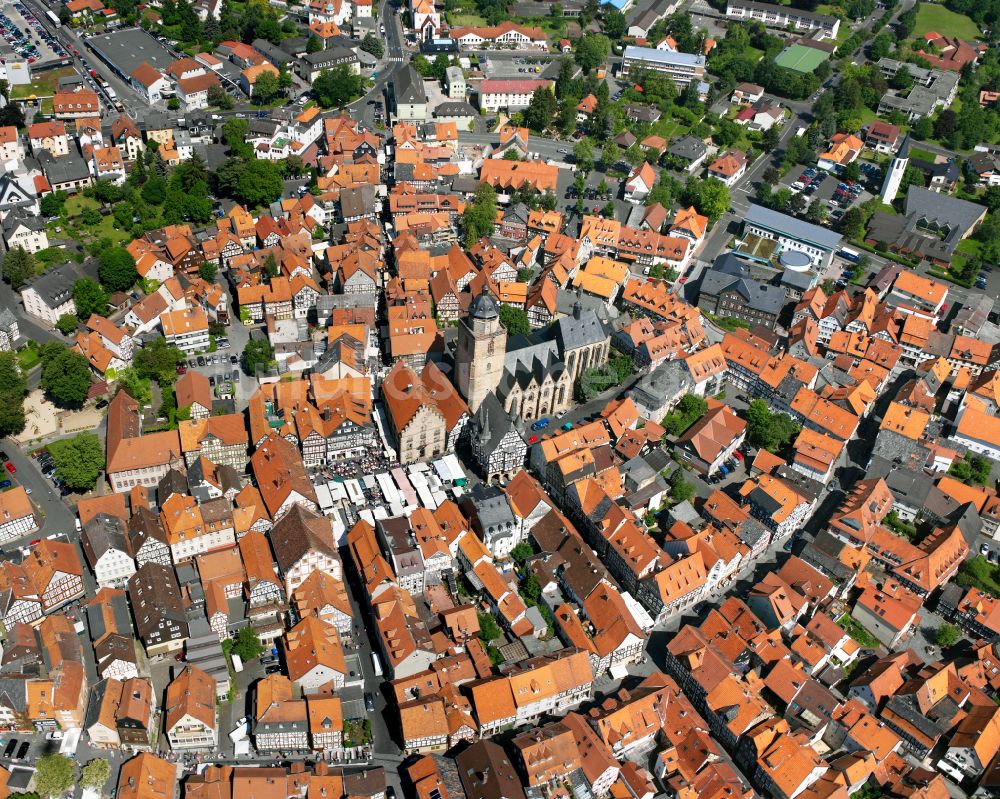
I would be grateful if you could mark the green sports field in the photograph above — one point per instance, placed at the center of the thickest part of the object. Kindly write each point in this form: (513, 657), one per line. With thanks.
(932, 17)
(800, 58)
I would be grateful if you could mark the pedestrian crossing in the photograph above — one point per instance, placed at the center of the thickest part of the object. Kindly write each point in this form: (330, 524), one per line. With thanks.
(396, 59)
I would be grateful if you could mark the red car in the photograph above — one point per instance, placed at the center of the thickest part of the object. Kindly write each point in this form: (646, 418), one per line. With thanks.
(181, 370)
(10, 467)
(533, 440)
(738, 456)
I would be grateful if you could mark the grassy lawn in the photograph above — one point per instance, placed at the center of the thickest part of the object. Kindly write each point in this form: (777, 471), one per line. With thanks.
(754, 53)
(857, 632)
(981, 573)
(28, 358)
(44, 85)
(921, 155)
(74, 225)
(462, 20)
(937, 18)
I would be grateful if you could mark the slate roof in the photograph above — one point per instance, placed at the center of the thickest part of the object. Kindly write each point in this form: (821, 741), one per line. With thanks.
(491, 423)
(408, 86)
(54, 286)
(18, 218)
(101, 534)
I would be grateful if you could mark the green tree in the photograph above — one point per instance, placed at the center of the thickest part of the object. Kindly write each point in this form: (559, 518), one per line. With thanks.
(681, 490)
(614, 24)
(218, 98)
(254, 183)
(923, 128)
(208, 271)
(234, 134)
(66, 324)
(53, 203)
(713, 198)
(313, 45)
(13, 387)
(158, 361)
(90, 298)
(852, 171)
(137, 387)
(337, 86)
(18, 267)
(489, 630)
(116, 269)
(257, 355)
(247, 644)
(154, 191)
(514, 320)
(65, 375)
(592, 50)
(767, 430)
(521, 552)
(271, 266)
(611, 154)
(583, 154)
(479, 216)
(947, 635)
(266, 88)
(541, 110)
(95, 774)
(374, 45)
(53, 775)
(852, 223)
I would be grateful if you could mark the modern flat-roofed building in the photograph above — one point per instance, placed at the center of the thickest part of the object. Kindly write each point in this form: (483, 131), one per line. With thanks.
(681, 67)
(817, 242)
(775, 16)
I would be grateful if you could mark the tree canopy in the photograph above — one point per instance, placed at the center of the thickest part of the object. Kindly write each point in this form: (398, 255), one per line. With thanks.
(54, 775)
(65, 375)
(78, 460)
(514, 320)
(89, 298)
(158, 361)
(116, 269)
(337, 86)
(95, 774)
(18, 267)
(767, 430)
(479, 216)
(257, 355)
(13, 387)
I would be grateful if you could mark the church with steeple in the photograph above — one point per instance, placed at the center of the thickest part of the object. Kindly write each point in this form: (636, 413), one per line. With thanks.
(532, 376)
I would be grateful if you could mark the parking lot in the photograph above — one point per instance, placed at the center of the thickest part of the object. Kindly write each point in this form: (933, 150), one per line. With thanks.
(24, 32)
(219, 367)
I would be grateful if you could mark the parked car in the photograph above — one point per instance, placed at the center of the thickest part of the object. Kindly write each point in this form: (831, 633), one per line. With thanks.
(22, 750)
(11, 746)
(10, 467)
(369, 702)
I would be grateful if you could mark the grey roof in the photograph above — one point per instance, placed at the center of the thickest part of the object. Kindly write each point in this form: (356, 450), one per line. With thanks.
(65, 168)
(454, 108)
(357, 202)
(690, 148)
(119, 610)
(492, 511)
(491, 423)
(173, 482)
(101, 534)
(798, 280)
(582, 329)
(276, 55)
(18, 218)
(7, 319)
(129, 48)
(54, 286)
(142, 525)
(669, 379)
(484, 306)
(910, 487)
(654, 56)
(408, 86)
(902, 232)
(942, 209)
(330, 57)
(730, 273)
(792, 228)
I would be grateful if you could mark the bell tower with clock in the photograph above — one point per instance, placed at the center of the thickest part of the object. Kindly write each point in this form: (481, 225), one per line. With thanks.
(479, 355)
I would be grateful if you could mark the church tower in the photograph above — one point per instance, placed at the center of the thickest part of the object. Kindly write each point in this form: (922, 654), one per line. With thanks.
(479, 356)
(894, 175)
